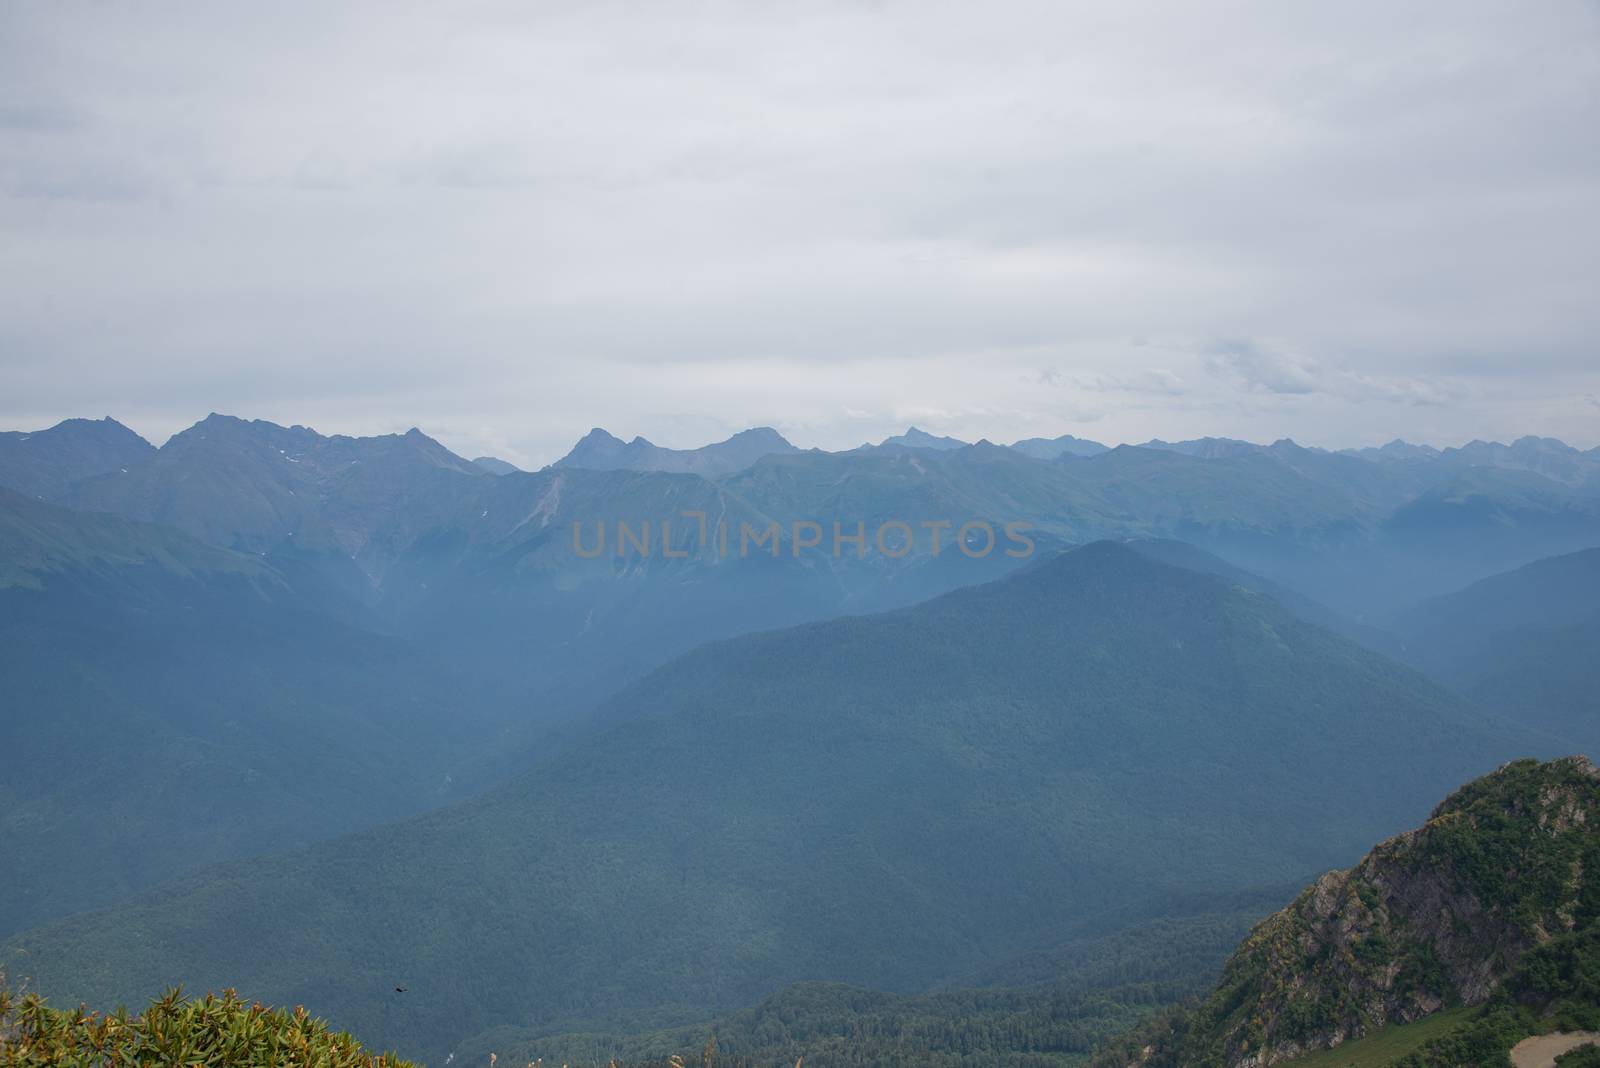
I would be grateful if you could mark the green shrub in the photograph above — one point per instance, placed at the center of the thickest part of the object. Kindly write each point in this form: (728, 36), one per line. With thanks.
(217, 1032)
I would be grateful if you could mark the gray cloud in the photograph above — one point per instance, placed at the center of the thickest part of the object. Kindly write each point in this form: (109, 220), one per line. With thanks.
(1261, 368)
(508, 224)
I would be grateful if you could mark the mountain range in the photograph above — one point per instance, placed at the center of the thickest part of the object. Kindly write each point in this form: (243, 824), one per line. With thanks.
(565, 754)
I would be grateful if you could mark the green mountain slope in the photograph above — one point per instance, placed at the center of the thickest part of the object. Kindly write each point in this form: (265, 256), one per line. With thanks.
(1049, 1008)
(168, 704)
(1523, 642)
(1493, 902)
(41, 544)
(889, 801)
(1182, 554)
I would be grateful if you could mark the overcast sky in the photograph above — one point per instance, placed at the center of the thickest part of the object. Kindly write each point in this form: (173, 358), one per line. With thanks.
(1337, 222)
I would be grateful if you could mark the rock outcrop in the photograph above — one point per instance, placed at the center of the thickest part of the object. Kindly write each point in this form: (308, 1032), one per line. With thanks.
(1438, 916)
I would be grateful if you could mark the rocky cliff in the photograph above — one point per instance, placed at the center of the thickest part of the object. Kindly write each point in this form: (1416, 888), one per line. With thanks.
(1435, 917)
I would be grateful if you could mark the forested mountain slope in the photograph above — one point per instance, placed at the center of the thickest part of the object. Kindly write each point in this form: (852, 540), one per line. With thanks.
(890, 801)
(168, 704)
(1526, 642)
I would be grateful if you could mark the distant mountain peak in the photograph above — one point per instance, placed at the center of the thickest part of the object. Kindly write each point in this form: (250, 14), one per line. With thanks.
(599, 450)
(1549, 457)
(46, 463)
(1206, 448)
(1398, 449)
(1550, 444)
(915, 438)
(495, 466)
(761, 433)
(1056, 448)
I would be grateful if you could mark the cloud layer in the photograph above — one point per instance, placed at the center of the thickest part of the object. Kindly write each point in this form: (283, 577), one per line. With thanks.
(506, 225)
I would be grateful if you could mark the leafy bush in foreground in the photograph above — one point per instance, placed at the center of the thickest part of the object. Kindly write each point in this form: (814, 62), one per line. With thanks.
(218, 1032)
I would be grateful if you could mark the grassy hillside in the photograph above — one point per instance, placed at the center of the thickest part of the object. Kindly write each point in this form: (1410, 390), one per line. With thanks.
(1387, 1044)
(890, 802)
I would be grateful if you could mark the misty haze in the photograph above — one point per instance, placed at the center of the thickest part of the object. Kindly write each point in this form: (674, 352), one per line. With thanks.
(828, 535)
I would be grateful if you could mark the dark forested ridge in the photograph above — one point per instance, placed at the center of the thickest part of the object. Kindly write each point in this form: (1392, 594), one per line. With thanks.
(1047, 1008)
(1524, 642)
(892, 801)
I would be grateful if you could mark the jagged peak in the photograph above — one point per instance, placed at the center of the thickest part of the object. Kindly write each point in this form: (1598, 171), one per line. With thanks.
(764, 433)
(916, 437)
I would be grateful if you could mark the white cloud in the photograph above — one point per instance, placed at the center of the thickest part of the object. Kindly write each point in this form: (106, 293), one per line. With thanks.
(510, 223)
